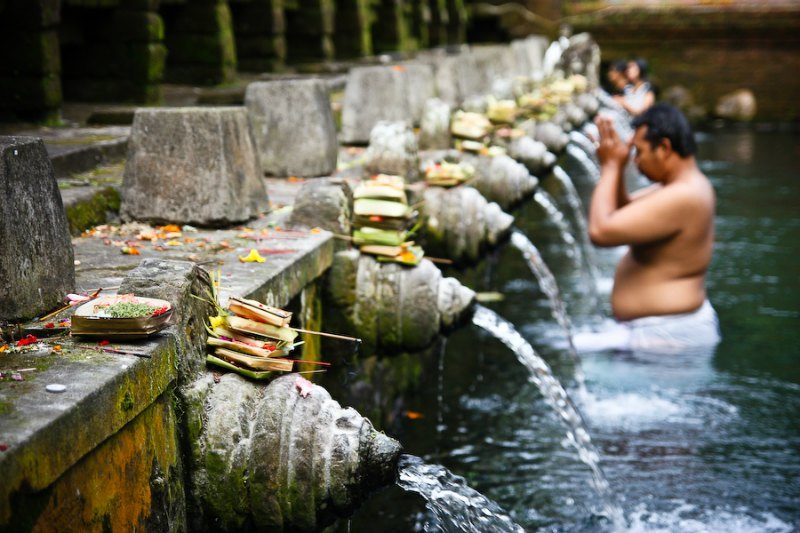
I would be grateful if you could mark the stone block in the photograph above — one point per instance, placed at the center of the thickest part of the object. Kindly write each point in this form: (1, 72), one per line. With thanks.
(434, 133)
(422, 87)
(192, 166)
(323, 203)
(739, 105)
(33, 14)
(36, 256)
(293, 127)
(393, 150)
(373, 94)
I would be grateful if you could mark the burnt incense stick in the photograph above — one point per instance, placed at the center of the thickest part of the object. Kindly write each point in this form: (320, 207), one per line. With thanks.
(439, 260)
(331, 335)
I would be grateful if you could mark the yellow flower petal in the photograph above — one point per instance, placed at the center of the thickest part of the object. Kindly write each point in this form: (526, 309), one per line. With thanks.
(252, 257)
(217, 321)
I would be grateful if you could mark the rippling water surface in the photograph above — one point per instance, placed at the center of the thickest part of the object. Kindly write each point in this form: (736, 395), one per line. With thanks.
(694, 442)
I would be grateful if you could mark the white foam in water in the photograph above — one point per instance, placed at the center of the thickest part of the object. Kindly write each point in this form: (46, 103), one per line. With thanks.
(629, 410)
(686, 519)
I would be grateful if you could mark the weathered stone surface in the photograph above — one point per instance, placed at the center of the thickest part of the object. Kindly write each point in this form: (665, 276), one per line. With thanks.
(193, 166)
(582, 56)
(395, 307)
(373, 94)
(457, 77)
(266, 457)
(738, 105)
(492, 63)
(532, 154)
(421, 87)
(434, 133)
(460, 222)
(501, 179)
(323, 203)
(36, 257)
(528, 55)
(393, 150)
(552, 135)
(293, 127)
(188, 288)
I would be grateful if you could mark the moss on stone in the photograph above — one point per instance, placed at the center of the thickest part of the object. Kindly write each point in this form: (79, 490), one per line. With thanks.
(83, 215)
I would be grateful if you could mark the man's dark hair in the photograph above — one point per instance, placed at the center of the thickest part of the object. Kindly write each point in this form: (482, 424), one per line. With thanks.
(664, 121)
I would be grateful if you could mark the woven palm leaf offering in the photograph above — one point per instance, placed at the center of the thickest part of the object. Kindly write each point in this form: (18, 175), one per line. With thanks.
(502, 111)
(473, 126)
(405, 254)
(121, 316)
(447, 174)
(254, 339)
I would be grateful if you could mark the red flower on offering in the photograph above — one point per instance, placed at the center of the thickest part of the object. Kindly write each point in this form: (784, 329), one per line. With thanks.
(49, 325)
(104, 342)
(375, 218)
(270, 347)
(160, 311)
(29, 339)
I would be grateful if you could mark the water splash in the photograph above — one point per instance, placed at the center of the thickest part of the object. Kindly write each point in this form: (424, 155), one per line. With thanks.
(556, 397)
(582, 140)
(454, 504)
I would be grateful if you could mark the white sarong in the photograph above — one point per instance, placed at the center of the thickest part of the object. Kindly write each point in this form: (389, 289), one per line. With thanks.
(664, 333)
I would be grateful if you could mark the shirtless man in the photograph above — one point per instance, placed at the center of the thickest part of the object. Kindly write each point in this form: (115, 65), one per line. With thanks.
(659, 293)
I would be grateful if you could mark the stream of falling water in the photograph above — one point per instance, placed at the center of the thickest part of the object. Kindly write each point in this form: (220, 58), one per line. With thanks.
(582, 229)
(556, 397)
(547, 282)
(554, 215)
(454, 504)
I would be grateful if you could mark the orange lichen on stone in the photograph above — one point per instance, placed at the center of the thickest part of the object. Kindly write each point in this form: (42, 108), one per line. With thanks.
(111, 487)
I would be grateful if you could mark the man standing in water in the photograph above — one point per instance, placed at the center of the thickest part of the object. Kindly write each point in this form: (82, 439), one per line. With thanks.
(659, 293)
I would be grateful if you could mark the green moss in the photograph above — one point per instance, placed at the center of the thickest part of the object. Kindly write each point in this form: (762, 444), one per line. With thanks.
(84, 215)
(127, 402)
(6, 407)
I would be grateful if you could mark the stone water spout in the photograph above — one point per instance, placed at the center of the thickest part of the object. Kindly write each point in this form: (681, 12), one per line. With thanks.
(284, 456)
(395, 307)
(503, 180)
(460, 222)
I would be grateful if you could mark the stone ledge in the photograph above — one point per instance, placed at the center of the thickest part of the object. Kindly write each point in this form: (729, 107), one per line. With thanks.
(47, 433)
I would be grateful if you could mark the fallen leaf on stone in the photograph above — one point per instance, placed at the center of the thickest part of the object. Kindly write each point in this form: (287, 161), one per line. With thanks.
(104, 342)
(170, 228)
(413, 415)
(252, 257)
(173, 242)
(399, 68)
(57, 348)
(303, 386)
(130, 250)
(3, 348)
(316, 230)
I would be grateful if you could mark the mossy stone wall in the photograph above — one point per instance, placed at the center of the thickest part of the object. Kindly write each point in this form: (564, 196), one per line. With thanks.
(259, 27)
(30, 83)
(391, 30)
(112, 51)
(310, 28)
(353, 37)
(199, 37)
(143, 491)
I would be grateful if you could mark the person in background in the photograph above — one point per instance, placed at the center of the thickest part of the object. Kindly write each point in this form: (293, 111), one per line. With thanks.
(659, 294)
(617, 77)
(639, 95)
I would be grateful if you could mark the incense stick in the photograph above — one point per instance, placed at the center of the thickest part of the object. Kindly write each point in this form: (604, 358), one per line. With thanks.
(331, 335)
(310, 362)
(439, 260)
(65, 307)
